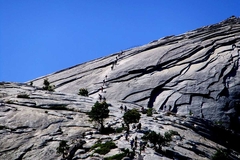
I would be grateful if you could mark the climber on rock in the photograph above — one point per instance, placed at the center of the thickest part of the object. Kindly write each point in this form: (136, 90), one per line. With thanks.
(100, 97)
(112, 66)
(125, 108)
(121, 107)
(104, 99)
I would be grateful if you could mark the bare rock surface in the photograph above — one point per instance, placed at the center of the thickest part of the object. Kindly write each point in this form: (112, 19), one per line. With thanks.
(32, 128)
(190, 80)
(195, 72)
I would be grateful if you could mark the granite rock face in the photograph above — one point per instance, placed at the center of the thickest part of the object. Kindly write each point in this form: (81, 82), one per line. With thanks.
(190, 80)
(32, 126)
(193, 73)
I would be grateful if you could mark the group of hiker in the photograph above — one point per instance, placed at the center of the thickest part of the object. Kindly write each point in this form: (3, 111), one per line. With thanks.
(105, 80)
(101, 89)
(125, 108)
(134, 144)
(114, 63)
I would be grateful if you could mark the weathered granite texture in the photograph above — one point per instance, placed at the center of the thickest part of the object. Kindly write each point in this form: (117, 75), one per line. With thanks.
(196, 72)
(32, 127)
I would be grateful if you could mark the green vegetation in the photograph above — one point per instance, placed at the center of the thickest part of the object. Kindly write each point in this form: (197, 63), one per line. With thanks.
(131, 116)
(23, 96)
(157, 139)
(99, 112)
(83, 92)
(168, 135)
(63, 148)
(120, 129)
(219, 123)
(150, 112)
(220, 155)
(120, 156)
(103, 148)
(47, 85)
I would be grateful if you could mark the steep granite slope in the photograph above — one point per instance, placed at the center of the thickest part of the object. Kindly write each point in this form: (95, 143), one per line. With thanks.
(193, 73)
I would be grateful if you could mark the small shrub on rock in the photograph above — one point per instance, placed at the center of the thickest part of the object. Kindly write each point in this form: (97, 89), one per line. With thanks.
(168, 135)
(131, 116)
(47, 86)
(103, 148)
(155, 138)
(63, 148)
(220, 154)
(120, 129)
(150, 112)
(120, 156)
(83, 92)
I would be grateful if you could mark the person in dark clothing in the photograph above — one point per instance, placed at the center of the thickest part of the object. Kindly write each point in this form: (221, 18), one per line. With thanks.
(100, 97)
(104, 99)
(125, 108)
(131, 143)
(139, 126)
(121, 107)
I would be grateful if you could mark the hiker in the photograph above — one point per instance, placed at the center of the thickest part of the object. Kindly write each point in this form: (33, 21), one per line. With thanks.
(142, 146)
(131, 143)
(135, 142)
(112, 65)
(104, 82)
(100, 97)
(133, 126)
(121, 107)
(136, 138)
(101, 88)
(104, 99)
(139, 126)
(125, 108)
(126, 136)
(134, 149)
(170, 107)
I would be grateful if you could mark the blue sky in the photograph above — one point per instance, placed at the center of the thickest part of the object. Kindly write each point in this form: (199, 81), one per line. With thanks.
(39, 37)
